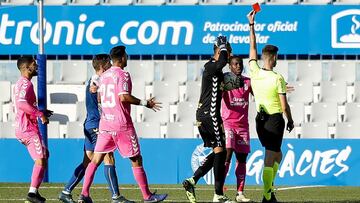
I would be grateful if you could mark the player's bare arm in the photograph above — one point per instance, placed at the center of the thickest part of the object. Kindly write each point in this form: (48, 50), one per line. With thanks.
(253, 51)
(150, 103)
(286, 109)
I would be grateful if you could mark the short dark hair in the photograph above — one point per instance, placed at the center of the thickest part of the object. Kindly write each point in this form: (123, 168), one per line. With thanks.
(270, 50)
(117, 53)
(24, 60)
(100, 59)
(235, 57)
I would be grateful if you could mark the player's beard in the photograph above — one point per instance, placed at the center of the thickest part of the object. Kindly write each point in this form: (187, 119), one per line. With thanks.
(35, 73)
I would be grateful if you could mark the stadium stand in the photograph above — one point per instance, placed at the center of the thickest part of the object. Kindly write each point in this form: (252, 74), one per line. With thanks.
(148, 129)
(86, 2)
(186, 112)
(54, 129)
(314, 130)
(193, 91)
(5, 95)
(180, 130)
(74, 129)
(327, 90)
(55, 2)
(316, 2)
(7, 129)
(216, 2)
(73, 72)
(150, 2)
(347, 130)
(167, 92)
(17, 2)
(117, 2)
(324, 112)
(175, 71)
(303, 92)
(183, 2)
(352, 112)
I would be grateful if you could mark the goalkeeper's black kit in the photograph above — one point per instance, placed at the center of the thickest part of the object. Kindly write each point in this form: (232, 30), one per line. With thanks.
(208, 114)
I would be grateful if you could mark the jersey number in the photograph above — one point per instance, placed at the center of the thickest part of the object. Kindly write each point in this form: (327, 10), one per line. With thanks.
(107, 95)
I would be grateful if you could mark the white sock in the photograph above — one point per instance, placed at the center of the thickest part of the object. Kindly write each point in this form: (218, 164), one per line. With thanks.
(240, 192)
(33, 190)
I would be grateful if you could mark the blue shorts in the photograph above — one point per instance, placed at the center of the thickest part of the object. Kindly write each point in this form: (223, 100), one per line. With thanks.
(90, 138)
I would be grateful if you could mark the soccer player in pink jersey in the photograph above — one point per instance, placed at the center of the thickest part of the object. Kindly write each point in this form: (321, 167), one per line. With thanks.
(234, 112)
(27, 129)
(116, 127)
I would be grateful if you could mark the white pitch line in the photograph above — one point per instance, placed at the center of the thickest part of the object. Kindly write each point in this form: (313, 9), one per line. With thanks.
(171, 188)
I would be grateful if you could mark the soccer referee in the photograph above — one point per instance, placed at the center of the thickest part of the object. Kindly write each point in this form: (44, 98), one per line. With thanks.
(269, 90)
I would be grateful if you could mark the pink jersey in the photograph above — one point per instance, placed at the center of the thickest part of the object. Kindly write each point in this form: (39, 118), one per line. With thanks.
(235, 105)
(25, 108)
(115, 114)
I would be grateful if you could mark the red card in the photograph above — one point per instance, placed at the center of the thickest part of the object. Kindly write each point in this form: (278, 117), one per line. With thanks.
(256, 7)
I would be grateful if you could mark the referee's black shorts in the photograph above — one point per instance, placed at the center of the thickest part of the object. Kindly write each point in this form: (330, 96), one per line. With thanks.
(270, 130)
(211, 131)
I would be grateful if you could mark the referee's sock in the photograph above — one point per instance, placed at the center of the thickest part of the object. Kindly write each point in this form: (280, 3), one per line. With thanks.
(219, 172)
(268, 179)
(205, 167)
(275, 169)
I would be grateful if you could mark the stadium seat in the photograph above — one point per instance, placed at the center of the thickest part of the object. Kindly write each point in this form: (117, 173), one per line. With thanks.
(9, 71)
(63, 98)
(55, 2)
(53, 129)
(73, 72)
(18, 2)
(180, 130)
(193, 91)
(167, 92)
(161, 116)
(352, 112)
(316, 2)
(183, 2)
(314, 130)
(324, 112)
(216, 2)
(151, 2)
(186, 112)
(333, 92)
(61, 118)
(118, 2)
(356, 91)
(73, 90)
(342, 71)
(283, 2)
(297, 112)
(141, 71)
(7, 130)
(303, 92)
(281, 68)
(248, 2)
(347, 130)
(80, 111)
(5, 87)
(347, 2)
(171, 71)
(138, 89)
(308, 71)
(86, 2)
(148, 129)
(75, 129)
(195, 69)
(1, 112)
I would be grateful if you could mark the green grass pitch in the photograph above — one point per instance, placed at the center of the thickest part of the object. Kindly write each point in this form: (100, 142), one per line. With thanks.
(16, 192)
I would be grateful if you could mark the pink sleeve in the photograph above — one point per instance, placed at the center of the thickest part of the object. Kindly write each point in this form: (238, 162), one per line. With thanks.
(124, 83)
(22, 103)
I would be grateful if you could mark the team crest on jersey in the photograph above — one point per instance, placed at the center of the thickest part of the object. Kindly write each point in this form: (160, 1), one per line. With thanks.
(246, 87)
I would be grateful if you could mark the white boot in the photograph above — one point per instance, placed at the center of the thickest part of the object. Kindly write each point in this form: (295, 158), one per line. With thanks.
(222, 198)
(240, 197)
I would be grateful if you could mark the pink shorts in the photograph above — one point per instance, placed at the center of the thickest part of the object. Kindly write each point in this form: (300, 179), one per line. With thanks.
(238, 139)
(126, 141)
(35, 145)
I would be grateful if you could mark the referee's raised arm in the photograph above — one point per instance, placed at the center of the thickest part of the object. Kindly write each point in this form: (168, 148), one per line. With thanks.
(253, 51)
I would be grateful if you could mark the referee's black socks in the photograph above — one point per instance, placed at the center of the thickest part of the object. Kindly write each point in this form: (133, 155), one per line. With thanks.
(219, 172)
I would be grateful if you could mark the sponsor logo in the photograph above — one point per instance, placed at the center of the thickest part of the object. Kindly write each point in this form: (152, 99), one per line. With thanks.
(345, 29)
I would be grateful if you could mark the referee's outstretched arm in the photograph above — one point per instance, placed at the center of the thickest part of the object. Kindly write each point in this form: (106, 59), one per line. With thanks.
(253, 51)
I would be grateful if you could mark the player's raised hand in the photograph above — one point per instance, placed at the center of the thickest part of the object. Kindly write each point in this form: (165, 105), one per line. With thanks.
(251, 17)
(221, 42)
(289, 88)
(44, 119)
(153, 104)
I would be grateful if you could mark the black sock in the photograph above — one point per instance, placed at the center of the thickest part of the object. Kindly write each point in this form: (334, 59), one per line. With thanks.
(219, 170)
(205, 167)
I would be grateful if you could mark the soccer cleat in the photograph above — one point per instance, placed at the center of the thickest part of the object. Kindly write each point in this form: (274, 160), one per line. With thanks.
(155, 198)
(66, 198)
(121, 199)
(84, 199)
(273, 198)
(222, 198)
(241, 198)
(189, 185)
(35, 198)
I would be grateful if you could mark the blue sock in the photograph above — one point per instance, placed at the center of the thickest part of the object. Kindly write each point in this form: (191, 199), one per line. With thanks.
(111, 177)
(76, 178)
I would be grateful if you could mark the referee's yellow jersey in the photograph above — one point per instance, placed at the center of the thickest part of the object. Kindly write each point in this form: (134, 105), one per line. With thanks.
(266, 86)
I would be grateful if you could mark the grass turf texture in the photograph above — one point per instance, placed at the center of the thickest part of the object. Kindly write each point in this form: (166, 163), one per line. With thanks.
(16, 192)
